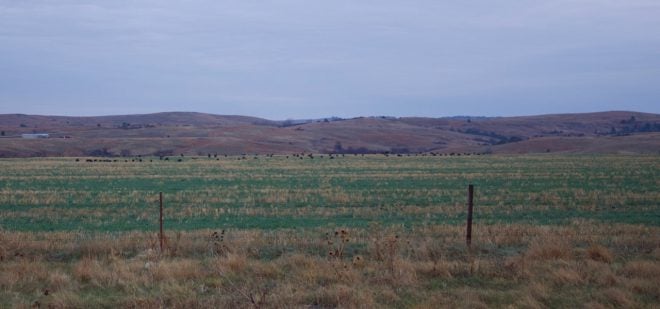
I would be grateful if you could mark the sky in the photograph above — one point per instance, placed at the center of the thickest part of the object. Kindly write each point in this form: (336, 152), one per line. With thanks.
(290, 59)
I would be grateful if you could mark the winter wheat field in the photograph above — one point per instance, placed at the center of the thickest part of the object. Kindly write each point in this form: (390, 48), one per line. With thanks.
(331, 231)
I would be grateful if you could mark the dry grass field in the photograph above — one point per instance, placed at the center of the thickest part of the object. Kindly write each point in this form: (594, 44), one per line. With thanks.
(351, 232)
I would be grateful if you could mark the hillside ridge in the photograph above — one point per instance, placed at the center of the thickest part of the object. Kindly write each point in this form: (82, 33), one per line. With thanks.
(194, 133)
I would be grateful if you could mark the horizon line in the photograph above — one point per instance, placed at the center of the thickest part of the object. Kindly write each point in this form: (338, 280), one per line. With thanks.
(331, 117)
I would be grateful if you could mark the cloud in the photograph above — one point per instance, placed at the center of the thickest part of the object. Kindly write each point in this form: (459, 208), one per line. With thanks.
(294, 58)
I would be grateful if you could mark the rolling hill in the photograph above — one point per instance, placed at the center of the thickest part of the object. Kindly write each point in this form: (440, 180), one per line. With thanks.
(174, 133)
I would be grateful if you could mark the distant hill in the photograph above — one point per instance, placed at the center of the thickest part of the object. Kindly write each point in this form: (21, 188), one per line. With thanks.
(174, 133)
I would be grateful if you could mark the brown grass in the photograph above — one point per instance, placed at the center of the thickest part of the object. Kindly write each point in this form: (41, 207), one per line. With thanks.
(599, 253)
(641, 269)
(547, 268)
(550, 248)
(617, 298)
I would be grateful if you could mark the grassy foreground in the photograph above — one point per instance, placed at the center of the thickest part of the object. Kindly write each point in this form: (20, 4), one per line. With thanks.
(374, 231)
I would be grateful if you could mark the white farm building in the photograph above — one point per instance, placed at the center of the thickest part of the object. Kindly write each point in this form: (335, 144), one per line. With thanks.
(35, 135)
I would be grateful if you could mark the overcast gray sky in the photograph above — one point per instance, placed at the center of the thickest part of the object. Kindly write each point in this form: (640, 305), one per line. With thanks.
(307, 59)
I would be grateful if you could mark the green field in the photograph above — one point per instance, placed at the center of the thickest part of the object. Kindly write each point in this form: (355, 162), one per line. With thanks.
(271, 193)
(550, 231)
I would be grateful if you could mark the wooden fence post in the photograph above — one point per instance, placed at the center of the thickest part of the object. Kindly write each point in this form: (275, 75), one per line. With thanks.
(161, 220)
(468, 236)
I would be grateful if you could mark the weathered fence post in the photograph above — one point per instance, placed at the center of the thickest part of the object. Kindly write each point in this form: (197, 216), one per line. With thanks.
(468, 236)
(161, 220)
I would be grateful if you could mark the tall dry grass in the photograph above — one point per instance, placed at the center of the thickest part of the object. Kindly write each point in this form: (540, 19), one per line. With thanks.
(429, 267)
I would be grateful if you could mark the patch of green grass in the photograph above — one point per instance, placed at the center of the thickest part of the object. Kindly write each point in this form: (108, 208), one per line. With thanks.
(275, 193)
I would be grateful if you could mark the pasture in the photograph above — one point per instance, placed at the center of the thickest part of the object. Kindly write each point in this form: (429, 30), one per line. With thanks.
(352, 231)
